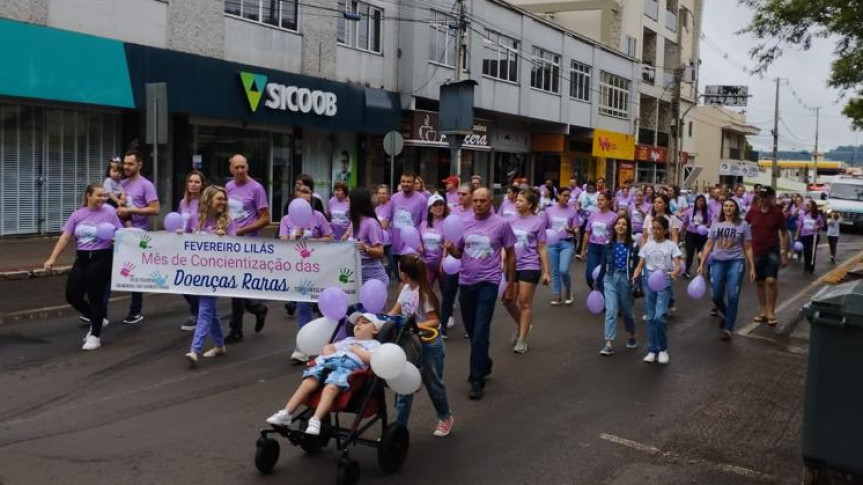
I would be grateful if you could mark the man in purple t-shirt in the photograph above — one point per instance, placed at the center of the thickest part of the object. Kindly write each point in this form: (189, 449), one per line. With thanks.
(142, 203)
(250, 211)
(485, 236)
(407, 208)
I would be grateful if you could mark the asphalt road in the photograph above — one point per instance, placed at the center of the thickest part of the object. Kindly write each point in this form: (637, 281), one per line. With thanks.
(133, 412)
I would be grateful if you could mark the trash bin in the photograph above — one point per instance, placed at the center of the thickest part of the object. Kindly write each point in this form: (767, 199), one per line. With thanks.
(833, 406)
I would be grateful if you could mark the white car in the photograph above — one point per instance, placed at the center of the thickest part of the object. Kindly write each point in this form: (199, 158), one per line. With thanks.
(846, 198)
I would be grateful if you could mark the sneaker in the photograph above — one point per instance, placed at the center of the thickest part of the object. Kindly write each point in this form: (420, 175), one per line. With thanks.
(261, 319)
(663, 357)
(644, 318)
(672, 309)
(726, 335)
(314, 427)
(607, 351)
(133, 318)
(298, 357)
(105, 322)
(280, 418)
(216, 352)
(650, 357)
(832, 260)
(234, 337)
(631, 343)
(578, 257)
(86, 336)
(569, 298)
(450, 323)
(514, 339)
(444, 427)
(91, 343)
(466, 335)
(189, 325)
(291, 308)
(192, 357)
(714, 312)
(556, 302)
(476, 390)
(520, 346)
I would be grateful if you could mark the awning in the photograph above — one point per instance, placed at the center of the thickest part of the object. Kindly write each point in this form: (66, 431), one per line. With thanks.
(382, 112)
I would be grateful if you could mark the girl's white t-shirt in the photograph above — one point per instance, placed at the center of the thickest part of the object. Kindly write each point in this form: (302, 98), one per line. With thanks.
(673, 223)
(832, 227)
(409, 301)
(659, 256)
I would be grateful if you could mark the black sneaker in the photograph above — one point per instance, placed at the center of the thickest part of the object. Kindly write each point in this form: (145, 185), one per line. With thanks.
(261, 319)
(291, 308)
(189, 325)
(476, 390)
(234, 337)
(714, 312)
(133, 318)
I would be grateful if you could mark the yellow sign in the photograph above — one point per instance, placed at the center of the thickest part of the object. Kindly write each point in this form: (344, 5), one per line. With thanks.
(609, 144)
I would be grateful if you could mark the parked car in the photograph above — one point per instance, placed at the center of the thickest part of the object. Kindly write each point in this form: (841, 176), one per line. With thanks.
(846, 198)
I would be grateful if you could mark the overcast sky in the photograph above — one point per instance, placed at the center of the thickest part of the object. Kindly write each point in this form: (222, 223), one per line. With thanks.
(806, 71)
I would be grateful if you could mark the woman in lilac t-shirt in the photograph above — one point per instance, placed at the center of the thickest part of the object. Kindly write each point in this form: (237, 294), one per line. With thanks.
(188, 208)
(338, 208)
(431, 236)
(563, 219)
(369, 235)
(696, 217)
(531, 262)
(91, 273)
(809, 226)
(597, 233)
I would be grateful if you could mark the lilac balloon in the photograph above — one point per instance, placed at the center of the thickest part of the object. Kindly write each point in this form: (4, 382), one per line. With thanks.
(105, 231)
(552, 236)
(657, 281)
(453, 228)
(798, 247)
(410, 238)
(596, 272)
(173, 221)
(595, 302)
(333, 303)
(703, 230)
(697, 288)
(300, 212)
(373, 296)
(451, 265)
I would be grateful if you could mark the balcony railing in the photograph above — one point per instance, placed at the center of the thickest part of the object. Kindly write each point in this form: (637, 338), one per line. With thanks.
(671, 21)
(651, 9)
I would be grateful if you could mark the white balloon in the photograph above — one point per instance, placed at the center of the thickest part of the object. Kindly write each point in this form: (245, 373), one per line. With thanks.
(408, 382)
(388, 361)
(315, 334)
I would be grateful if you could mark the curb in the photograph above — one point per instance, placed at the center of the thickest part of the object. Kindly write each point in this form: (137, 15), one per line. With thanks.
(33, 273)
(836, 275)
(67, 310)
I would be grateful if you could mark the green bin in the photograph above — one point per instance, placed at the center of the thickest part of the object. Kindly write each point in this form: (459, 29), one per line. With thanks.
(833, 407)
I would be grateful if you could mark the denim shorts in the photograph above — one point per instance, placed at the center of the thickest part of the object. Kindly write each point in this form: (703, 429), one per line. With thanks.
(767, 265)
(333, 370)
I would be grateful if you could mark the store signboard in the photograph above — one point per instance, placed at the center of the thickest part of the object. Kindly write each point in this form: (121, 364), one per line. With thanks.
(610, 144)
(738, 168)
(647, 153)
(421, 129)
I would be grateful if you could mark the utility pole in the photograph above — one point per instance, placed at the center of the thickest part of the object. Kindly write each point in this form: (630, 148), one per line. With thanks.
(461, 59)
(817, 117)
(774, 166)
(676, 143)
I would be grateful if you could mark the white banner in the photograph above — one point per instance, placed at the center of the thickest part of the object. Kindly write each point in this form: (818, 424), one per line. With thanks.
(203, 264)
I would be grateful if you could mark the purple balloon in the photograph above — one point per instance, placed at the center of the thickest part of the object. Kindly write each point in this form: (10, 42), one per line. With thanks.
(798, 247)
(703, 230)
(105, 231)
(595, 302)
(697, 288)
(410, 238)
(453, 228)
(333, 303)
(451, 265)
(173, 221)
(596, 272)
(552, 236)
(657, 281)
(300, 212)
(373, 296)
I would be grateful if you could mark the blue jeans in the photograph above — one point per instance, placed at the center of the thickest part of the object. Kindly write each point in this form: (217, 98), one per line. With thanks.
(595, 255)
(432, 375)
(618, 296)
(390, 262)
(450, 290)
(560, 258)
(477, 307)
(657, 312)
(725, 279)
(208, 324)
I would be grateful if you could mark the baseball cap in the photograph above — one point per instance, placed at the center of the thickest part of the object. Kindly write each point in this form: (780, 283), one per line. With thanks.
(767, 191)
(452, 179)
(435, 198)
(371, 317)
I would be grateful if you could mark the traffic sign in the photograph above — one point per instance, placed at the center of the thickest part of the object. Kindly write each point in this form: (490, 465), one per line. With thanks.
(394, 143)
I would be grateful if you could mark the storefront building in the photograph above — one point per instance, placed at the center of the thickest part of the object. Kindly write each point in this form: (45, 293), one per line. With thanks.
(614, 155)
(651, 164)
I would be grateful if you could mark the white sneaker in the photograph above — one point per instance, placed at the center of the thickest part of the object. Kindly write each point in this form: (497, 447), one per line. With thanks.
(299, 357)
(280, 418)
(314, 427)
(663, 357)
(91, 343)
(650, 358)
(192, 357)
(569, 298)
(215, 352)
(644, 318)
(520, 347)
(105, 322)
(189, 325)
(450, 323)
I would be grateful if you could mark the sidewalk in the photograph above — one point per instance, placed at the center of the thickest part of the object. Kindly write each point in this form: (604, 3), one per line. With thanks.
(23, 257)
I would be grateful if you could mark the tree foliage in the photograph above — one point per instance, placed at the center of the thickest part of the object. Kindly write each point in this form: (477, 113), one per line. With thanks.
(798, 23)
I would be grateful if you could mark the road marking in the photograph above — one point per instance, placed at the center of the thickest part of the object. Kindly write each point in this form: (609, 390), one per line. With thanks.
(676, 458)
(745, 331)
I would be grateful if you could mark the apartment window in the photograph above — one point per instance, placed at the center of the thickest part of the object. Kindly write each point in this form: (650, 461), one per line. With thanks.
(278, 13)
(631, 45)
(442, 49)
(613, 95)
(579, 87)
(501, 57)
(363, 34)
(545, 72)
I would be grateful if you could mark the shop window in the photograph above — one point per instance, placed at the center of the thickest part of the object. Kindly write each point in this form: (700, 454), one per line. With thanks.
(579, 87)
(613, 95)
(501, 57)
(442, 48)
(363, 34)
(278, 13)
(545, 72)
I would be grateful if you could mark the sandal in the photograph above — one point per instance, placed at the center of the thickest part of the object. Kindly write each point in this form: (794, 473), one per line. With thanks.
(772, 322)
(760, 319)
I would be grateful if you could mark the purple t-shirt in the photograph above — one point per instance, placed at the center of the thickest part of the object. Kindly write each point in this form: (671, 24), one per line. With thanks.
(562, 218)
(187, 210)
(507, 208)
(481, 247)
(371, 233)
(452, 198)
(432, 239)
(403, 212)
(808, 225)
(82, 225)
(728, 239)
(714, 207)
(465, 214)
(339, 216)
(600, 226)
(245, 201)
(622, 200)
(383, 213)
(693, 219)
(529, 231)
(637, 217)
(318, 227)
(209, 226)
(140, 192)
